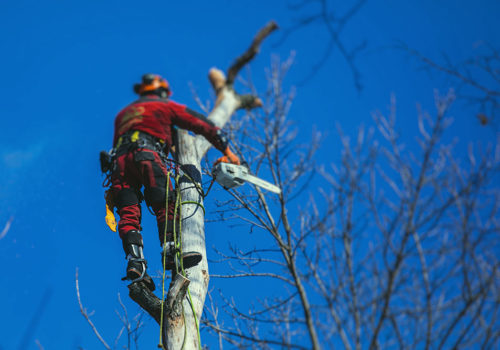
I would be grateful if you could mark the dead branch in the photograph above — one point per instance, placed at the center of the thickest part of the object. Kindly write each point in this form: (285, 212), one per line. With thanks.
(148, 301)
(250, 53)
(141, 294)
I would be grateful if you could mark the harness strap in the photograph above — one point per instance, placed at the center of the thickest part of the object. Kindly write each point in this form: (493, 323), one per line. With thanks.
(134, 139)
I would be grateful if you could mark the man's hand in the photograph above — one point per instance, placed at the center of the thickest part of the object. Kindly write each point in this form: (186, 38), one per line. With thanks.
(229, 157)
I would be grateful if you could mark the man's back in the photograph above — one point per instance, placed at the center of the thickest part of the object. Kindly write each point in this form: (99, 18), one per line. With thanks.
(157, 116)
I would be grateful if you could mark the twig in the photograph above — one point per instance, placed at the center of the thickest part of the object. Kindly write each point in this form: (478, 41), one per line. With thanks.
(253, 339)
(6, 227)
(256, 274)
(86, 315)
(38, 344)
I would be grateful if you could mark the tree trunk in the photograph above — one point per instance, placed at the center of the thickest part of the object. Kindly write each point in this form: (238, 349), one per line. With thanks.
(186, 297)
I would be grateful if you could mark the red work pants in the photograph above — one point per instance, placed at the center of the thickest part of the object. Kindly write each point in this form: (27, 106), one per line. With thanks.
(135, 169)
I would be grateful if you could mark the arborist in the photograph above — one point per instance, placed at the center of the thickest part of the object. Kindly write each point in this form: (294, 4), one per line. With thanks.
(144, 133)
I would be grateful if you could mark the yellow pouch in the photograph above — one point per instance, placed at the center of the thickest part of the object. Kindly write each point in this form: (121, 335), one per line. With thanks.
(110, 216)
(110, 219)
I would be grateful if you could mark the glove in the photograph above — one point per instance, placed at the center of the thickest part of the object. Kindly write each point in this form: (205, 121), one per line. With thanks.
(229, 157)
(233, 158)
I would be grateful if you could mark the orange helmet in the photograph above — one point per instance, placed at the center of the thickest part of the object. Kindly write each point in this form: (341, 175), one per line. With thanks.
(153, 83)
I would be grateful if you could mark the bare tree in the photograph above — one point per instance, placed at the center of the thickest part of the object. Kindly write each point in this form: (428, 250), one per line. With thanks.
(186, 295)
(396, 246)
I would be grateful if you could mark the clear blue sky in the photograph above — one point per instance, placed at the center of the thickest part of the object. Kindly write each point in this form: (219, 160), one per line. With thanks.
(66, 69)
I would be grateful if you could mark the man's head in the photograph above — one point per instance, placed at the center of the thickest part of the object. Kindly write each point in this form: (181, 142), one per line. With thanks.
(153, 84)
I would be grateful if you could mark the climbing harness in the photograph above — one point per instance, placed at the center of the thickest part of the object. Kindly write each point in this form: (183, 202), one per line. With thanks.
(129, 141)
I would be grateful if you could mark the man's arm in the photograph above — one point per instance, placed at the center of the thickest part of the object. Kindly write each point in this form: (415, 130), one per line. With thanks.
(196, 122)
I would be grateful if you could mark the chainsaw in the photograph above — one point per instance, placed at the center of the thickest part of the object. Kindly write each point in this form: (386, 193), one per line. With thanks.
(230, 175)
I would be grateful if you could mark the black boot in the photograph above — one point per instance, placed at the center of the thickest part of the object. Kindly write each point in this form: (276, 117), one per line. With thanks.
(168, 257)
(137, 265)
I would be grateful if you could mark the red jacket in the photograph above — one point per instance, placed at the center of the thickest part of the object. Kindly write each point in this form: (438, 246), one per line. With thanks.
(157, 117)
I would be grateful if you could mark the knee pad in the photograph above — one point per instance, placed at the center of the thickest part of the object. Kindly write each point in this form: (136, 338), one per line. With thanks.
(155, 195)
(125, 197)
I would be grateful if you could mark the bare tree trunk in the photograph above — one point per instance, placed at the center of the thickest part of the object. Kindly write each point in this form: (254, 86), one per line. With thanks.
(186, 297)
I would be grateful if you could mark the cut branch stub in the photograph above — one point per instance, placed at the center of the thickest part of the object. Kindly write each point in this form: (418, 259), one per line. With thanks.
(250, 101)
(173, 317)
(217, 79)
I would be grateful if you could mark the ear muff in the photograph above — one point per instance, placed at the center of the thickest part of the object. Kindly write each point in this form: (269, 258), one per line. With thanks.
(137, 88)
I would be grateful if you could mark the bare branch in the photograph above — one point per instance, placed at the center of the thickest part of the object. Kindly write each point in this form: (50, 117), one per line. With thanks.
(334, 25)
(86, 315)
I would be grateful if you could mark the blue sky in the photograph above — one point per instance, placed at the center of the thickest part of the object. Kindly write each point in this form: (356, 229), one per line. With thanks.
(67, 67)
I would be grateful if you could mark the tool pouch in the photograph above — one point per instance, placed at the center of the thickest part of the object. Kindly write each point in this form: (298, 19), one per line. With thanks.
(106, 160)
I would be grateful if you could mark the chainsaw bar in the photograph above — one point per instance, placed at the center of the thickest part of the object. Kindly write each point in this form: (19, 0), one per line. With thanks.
(231, 175)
